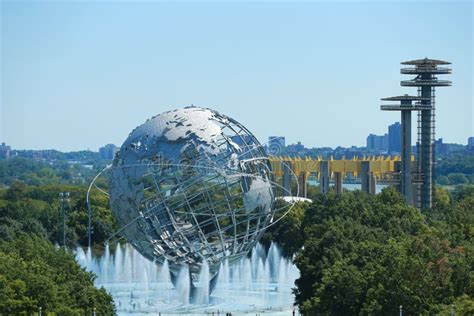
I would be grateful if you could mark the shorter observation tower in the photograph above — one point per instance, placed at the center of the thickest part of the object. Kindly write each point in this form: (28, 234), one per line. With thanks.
(406, 107)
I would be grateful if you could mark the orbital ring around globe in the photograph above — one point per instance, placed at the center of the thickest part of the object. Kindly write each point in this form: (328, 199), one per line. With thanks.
(113, 235)
(275, 184)
(191, 186)
(273, 222)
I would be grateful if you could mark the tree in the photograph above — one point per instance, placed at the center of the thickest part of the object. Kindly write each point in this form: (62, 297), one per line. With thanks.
(463, 305)
(289, 225)
(457, 178)
(367, 254)
(458, 163)
(36, 210)
(443, 180)
(34, 273)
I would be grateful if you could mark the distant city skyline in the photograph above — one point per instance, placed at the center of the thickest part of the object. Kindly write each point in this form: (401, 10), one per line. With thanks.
(84, 74)
(274, 144)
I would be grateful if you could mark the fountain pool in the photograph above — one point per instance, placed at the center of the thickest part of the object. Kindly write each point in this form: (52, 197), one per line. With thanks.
(259, 283)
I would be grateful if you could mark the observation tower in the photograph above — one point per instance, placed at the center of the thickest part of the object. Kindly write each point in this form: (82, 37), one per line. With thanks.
(406, 107)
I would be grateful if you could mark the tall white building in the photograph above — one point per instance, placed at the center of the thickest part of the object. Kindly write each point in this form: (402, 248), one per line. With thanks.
(470, 142)
(108, 152)
(5, 151)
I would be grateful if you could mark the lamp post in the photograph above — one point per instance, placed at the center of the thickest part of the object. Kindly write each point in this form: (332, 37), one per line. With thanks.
(63, 200)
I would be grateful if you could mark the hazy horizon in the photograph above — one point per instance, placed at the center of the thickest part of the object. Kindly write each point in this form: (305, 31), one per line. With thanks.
(79, 75)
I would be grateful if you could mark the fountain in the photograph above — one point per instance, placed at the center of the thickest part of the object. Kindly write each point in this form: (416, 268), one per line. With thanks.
(261, 283)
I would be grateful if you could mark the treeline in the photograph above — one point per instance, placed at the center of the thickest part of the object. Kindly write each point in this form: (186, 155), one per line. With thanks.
(52, 154)
(451, 169)
(37, 209)
(455, 169)
(37, 172)
(366, 255)
(33, 272)
(455, 164)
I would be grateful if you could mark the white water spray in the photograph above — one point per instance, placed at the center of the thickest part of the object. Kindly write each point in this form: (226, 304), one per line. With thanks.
(260, 283)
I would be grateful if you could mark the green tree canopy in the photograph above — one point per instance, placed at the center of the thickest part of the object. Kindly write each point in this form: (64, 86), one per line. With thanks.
(367, 255)
(33, 274)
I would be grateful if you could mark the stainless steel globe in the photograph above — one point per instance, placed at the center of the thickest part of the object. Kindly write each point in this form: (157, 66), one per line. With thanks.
(191, 185)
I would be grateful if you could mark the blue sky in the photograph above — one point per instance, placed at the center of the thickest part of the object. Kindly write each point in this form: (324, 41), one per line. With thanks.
(80, 75)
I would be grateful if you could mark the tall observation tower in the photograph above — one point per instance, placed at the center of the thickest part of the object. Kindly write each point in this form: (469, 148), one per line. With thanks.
(425, 71)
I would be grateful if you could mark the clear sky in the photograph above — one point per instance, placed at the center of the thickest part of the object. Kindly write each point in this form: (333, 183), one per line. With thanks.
(80, 75)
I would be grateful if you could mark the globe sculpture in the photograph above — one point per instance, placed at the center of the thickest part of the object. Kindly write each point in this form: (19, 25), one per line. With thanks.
(192, 186)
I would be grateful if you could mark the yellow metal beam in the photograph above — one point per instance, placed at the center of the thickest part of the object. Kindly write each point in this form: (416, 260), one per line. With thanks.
(380, 166)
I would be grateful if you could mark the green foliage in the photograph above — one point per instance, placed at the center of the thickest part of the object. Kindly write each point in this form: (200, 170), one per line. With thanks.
(443, 180)
(287, 231)
(36, 210)
(34, 274)
(459, 163)
(312, 191)
(366, 255)
(36, 172)
(463, 191)
(455, 169)
(463, 305)
(457, 178)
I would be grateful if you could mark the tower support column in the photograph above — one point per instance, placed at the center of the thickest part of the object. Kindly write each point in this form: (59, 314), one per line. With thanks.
(365, 176)
(286, 165)
(404, 168)
(338, 182)
(426, 154)
(302, 185)
(406, 181)
(373, 183)
(324, 176)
